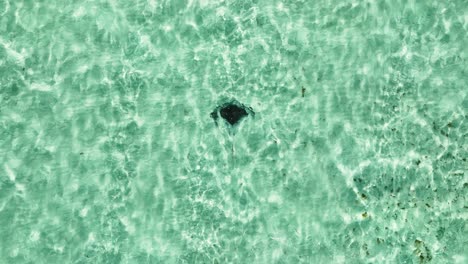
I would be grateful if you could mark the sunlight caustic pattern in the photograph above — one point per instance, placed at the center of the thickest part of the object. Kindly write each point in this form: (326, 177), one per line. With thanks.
(356, 153)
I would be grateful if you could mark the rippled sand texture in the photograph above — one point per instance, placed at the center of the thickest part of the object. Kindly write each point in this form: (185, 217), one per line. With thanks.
(108, 153)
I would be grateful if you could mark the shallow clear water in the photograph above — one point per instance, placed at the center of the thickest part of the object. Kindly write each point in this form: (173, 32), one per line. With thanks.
(356, 153)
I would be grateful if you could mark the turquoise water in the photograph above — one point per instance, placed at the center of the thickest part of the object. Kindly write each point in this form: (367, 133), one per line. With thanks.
(356, 153)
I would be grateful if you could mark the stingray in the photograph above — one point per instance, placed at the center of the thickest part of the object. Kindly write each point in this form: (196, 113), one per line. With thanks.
(232, 112)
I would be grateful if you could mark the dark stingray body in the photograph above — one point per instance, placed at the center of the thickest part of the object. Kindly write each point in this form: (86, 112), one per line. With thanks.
(232, 112)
